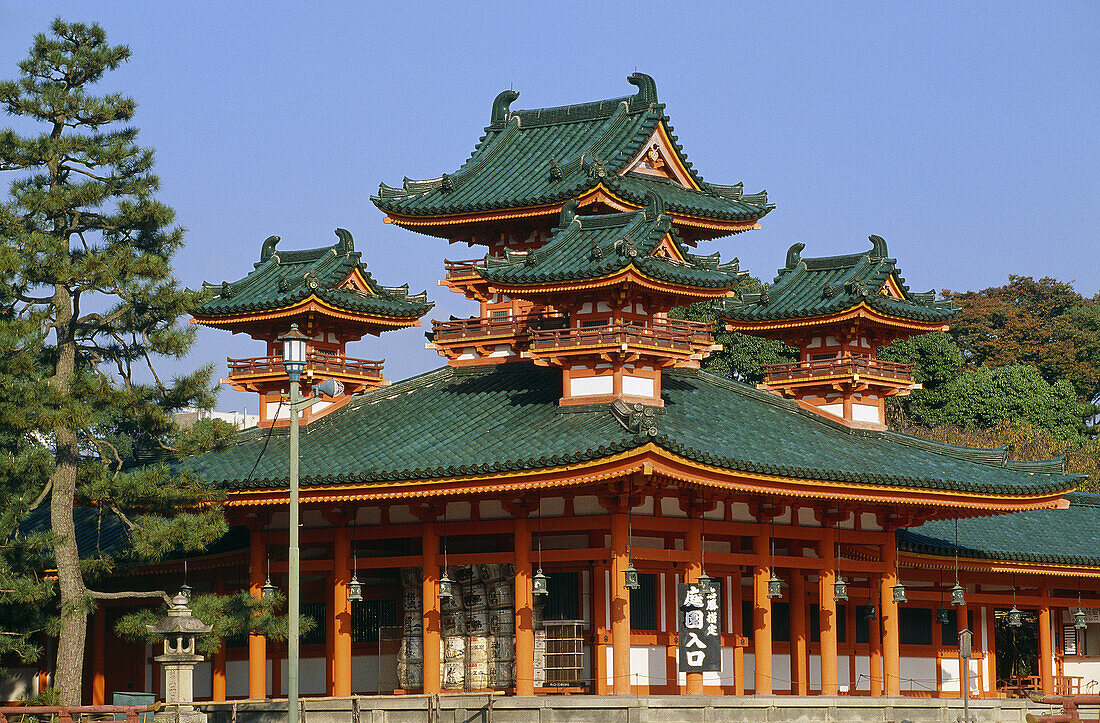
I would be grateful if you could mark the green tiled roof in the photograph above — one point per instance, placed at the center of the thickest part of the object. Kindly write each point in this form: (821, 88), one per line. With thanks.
(1068, 537)
(502, 418)
(535, 157)
(832, 284)
(588, 247)
(284, 278)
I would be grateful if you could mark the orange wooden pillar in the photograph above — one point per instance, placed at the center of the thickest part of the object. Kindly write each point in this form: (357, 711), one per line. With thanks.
(340, 672)
(217, 664)
(257, 644)
(762, 616)
(693, 544)
(601, 572)
(891, 636)
(827, 609)
(874, 636)
(620, 605)
(430, 615)
(1046, 647)
(99, 657)
(800, 638)
(525, 610)
(736, 593)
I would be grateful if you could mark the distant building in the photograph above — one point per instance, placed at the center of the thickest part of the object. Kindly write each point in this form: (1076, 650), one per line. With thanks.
(187, 417)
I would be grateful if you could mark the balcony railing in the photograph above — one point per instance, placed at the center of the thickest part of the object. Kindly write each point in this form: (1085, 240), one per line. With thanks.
(478, 328)
(463, 269)
(314, 362)
(863, 366)
(673, 335)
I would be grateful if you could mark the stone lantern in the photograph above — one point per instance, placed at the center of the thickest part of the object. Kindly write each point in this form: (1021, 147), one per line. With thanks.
(180, 629)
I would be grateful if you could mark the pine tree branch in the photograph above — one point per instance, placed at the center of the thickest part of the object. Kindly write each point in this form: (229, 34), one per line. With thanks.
(122, 516)
(41, 496)
(121, 595)
(30, 299)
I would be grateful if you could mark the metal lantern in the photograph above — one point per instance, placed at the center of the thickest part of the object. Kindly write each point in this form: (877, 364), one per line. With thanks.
(268, 590)
(943, 615)
(775, 587)
(294, 352)
(705, 582)
(899, 594)
(1079, 621)
(958, 595)
(631, 574)
(840, 589)
(355, 589)
(446, 587)
(540, 584)
(185, 591)
(870, 612)
(1015, 618)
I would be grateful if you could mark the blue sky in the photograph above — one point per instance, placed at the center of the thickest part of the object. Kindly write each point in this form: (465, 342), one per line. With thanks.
(965, 134)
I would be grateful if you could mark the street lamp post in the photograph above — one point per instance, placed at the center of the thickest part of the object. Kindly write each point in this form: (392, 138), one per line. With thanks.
(294, 360)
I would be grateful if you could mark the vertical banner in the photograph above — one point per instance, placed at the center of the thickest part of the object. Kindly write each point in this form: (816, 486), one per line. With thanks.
(700, 627)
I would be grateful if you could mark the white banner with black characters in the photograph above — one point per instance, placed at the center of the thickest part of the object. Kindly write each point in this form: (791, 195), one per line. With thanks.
(700, 628)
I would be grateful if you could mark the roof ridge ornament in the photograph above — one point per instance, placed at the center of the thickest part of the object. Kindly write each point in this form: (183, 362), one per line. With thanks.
(268, 249)
(878, 247)
(647, 88)
(595, 166)
(794, 254)
(654, 206)
(346, 244)
(555, 171)
(501, 105)
(446, 183)
(568, 213)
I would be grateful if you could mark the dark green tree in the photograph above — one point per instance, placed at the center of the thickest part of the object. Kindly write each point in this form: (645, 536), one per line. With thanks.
(88, 304)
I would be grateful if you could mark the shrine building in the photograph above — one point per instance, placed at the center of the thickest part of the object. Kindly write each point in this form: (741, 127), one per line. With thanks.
(570, 464)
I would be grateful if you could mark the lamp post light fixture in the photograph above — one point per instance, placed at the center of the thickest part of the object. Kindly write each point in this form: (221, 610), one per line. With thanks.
(775, 587)
(185, 591)
(268, 590)
(355, 589)
(958, 594)
(840, 589)
(870, 612)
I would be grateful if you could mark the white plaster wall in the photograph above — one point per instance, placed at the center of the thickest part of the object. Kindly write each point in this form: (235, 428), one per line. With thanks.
(636, 386)
(918, 674)
(590, 386)
(863, 673)
(312, 676)
(647, 665)
(365, 673)
(492, 510)
(1086, 667)
(236, 678)
(836, 409)
(203, 684)
(865, 413)
(587, 505)
(19, 682)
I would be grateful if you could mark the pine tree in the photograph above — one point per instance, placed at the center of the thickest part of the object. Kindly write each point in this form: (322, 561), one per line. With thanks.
(88, 303)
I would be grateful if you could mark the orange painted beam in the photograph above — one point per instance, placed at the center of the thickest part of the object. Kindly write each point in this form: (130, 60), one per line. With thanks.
(430, 622)
(891, 635)
(693, 543)
(826, 551)
(257, 644)
(620, 606)
(762, 618)
(525, 606)
(340, 672)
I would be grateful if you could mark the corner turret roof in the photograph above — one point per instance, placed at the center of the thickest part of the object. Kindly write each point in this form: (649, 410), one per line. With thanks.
(284, 278)
(549, 155)
(589, 247)
(810, 287)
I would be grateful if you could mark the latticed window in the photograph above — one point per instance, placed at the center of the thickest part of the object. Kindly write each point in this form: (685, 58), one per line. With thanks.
(367, 616)
(643, 603)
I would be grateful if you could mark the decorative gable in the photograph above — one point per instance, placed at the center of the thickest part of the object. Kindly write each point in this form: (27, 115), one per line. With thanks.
(658, 157)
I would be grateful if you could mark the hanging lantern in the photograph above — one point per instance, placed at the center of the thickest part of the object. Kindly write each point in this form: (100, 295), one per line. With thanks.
(840, 589)
(268, 590)
(540, 584)
(958, 594)
(705, 582)
(185, 590)
(446, 587)
(943, 615)
(1015, 618)
(1079, 621)
(870, 612)
(775, 587)
(355, 589)
(899, 594)
(631, 575)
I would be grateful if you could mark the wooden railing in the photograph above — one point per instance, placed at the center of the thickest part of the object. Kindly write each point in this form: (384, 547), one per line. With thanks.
(482, 328)
(314, 362)
(669, 334)
(458, 269)
(851, 366)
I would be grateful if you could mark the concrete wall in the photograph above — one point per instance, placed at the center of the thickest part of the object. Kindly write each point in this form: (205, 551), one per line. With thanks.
(623, 709)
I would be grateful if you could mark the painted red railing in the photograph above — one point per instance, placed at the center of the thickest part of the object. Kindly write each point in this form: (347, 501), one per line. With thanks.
(1070, 708)
(482, 328)
(459, 269)
(314, 362)
(65, 713)
(668, 334)
(851, 366)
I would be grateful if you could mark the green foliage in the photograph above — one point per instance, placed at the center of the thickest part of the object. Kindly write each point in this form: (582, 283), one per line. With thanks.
(936, 358)
(742, 357)
(230, 615)
(88, 304)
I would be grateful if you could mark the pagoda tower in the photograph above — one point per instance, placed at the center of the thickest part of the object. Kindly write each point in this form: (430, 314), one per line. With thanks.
(587, 213)
(332, 298)
(838, 311)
